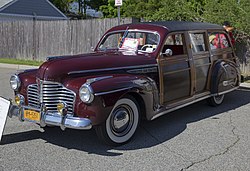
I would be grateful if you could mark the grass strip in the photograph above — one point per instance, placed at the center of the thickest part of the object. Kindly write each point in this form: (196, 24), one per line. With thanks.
(20, 61)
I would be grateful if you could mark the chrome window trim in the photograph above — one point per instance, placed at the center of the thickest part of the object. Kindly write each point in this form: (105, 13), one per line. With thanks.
(129, 30)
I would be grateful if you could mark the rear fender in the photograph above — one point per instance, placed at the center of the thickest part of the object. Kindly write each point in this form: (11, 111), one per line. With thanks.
(225, 77)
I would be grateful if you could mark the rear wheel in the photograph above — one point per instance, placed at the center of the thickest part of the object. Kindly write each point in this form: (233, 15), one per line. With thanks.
(216, 100)
(121, 124)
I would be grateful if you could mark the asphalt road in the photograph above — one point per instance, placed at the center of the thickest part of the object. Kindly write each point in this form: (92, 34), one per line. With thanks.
(197, 137)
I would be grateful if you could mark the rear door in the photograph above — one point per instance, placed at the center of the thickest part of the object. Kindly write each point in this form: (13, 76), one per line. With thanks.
(201, 61)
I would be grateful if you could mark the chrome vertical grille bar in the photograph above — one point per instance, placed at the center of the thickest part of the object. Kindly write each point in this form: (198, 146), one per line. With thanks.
(33, 96)
(52, 93)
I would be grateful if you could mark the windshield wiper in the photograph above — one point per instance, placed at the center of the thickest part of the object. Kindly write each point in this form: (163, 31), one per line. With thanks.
(123, 37)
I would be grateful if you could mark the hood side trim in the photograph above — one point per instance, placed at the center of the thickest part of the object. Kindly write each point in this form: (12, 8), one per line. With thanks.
(111, 69)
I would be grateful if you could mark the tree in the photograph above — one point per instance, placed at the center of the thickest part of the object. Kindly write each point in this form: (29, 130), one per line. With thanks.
(82, 7)
(62, 5)
(214, 11)
(131, 8)
(237, 12)
(140, 8)
(175, 10)
(95, 4)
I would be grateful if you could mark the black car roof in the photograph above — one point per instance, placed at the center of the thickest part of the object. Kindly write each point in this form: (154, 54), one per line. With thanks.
(185, 25)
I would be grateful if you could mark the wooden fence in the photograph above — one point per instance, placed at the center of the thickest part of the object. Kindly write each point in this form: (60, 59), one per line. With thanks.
(36, 40)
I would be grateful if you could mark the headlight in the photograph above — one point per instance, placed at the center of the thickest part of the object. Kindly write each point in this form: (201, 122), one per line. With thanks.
(15, 82)
(86, 93)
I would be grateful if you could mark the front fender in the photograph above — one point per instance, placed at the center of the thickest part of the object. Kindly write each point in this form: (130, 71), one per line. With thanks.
(27, 77)
(109, 89)
(143, 88)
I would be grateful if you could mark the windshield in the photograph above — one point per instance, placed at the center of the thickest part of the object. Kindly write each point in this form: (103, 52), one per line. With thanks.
(130, 40)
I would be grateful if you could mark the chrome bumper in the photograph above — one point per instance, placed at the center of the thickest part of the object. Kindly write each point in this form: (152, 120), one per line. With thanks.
(55, 119)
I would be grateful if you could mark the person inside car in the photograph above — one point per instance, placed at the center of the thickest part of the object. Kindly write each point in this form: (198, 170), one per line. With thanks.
(213, 42)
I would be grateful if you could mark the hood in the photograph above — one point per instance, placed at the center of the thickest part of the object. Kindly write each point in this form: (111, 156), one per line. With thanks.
(57, 68)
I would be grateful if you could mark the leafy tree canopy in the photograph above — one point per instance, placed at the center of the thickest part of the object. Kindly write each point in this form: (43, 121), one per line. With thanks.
(95, 4)
(214, 11)
(62, 5)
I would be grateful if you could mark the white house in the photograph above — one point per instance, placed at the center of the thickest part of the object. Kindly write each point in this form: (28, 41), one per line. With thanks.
(29, 10)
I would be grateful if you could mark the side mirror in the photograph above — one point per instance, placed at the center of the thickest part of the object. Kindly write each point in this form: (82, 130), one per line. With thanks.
(168, 52)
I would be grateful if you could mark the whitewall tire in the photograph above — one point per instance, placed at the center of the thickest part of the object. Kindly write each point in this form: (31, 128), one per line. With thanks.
(216, 100)
(122, 122)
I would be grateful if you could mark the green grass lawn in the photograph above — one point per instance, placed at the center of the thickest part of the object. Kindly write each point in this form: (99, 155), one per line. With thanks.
(20, 62)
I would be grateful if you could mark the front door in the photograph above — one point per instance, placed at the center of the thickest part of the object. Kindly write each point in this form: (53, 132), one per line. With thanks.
(175, 70)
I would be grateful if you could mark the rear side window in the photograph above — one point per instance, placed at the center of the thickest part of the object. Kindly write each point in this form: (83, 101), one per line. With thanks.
(218, 40)
(198, 42)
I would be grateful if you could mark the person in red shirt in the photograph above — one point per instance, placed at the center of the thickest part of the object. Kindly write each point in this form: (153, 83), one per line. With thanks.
(227, 26)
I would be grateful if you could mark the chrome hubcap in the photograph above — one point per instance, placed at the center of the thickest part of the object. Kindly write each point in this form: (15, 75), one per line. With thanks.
(219, 98)
(121, 120)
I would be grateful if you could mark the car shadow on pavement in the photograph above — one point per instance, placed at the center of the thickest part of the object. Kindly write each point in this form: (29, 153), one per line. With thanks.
(149, 133)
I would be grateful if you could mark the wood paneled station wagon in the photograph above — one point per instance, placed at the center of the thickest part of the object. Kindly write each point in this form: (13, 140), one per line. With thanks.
(136, 71)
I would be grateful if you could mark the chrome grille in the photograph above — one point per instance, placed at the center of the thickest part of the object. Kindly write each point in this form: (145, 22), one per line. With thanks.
(51, 93)
(33, 96)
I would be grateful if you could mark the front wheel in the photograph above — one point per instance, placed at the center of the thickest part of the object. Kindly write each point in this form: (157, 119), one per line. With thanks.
(121, 124)
(216, 100)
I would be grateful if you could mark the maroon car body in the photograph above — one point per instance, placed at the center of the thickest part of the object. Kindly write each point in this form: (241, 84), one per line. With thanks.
(136, 71)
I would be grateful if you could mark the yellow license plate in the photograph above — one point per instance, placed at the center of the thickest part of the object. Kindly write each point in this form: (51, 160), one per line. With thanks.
(31, 115)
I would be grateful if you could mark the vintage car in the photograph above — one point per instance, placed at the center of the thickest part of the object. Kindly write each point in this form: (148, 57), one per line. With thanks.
(136, 71)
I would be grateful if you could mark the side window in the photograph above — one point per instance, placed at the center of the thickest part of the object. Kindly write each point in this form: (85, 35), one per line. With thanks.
(198, 42)
(111, 42)
(218, 40)
(175, 43)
